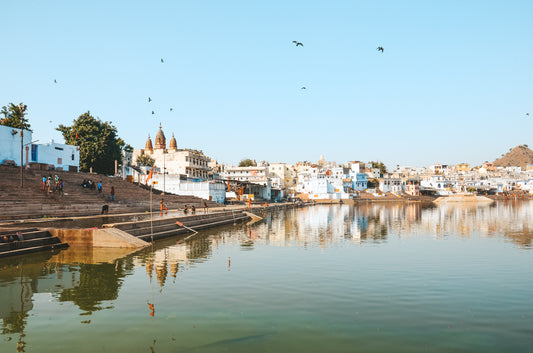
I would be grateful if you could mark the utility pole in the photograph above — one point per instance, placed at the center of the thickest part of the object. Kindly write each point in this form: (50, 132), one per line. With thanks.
(22, 109)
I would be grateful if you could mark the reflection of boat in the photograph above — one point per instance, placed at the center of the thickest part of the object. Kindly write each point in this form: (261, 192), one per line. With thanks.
(464, 198)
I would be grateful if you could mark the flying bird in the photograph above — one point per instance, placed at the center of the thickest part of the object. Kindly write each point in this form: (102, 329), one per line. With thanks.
(527, 114)
(149, 99)
(162, 60)
(170, 109)
(55, 81)
(303, 87)
(380, 49)
(298, 43)
(153, 112)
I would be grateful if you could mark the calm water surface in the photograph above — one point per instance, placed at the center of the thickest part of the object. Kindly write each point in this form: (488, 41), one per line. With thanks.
(377, 278)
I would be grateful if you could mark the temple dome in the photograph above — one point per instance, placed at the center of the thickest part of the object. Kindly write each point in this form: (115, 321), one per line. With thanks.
(173, 144)
(148, 146)
(160, 140)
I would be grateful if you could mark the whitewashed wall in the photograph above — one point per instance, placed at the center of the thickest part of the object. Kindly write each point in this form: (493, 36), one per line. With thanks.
(57, 154)
(205, 190)
(10, 144)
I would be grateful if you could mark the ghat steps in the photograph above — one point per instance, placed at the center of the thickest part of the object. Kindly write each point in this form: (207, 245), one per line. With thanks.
(32, 202)
(33, 240)
(163, 228)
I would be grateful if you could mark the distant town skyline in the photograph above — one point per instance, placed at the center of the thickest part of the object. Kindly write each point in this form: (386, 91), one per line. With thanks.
(452, 84)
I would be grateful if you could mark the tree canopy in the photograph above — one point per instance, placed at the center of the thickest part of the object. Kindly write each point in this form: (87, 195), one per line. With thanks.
(145, 160)
(99, 143)
(382, 168)
(14, 116)
(247, 163)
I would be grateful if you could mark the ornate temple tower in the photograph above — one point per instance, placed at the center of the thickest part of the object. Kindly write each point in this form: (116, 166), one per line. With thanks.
(160, 140)
(172, 146)
(148, 146)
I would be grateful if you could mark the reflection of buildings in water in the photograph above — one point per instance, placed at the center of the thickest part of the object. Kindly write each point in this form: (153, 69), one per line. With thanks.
(165, 260)
(19, 280)
(327, 225)
(324, 225)
(503, 218)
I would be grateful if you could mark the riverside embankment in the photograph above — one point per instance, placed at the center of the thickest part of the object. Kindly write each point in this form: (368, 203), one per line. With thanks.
(133, 230)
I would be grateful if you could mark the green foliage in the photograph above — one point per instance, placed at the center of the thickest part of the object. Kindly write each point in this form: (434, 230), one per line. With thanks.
(128, 148)
(13, 116)
(382, 168)
(98, 141)
(247, 163)
(145, 160)
(372, 183)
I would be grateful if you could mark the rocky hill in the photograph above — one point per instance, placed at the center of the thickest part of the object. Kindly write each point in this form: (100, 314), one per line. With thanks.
(520, 156)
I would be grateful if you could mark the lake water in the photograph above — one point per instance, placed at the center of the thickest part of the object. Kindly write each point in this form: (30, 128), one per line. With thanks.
(372, 278)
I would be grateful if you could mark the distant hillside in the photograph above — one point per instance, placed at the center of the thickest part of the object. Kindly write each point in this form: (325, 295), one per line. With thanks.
(519, 156)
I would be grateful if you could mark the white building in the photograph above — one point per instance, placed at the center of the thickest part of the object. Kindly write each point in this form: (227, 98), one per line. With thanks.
(208, 190)
(192, 163)
(61, 156)
(285, 173)
(10, 145)
(56, 155)
(257, 175)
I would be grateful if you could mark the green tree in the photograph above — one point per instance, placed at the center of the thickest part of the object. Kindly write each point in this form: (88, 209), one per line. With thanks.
(382, 168)
(246, 163)
(14, 116)
(372, 183)
(99, 143)
(146, 160)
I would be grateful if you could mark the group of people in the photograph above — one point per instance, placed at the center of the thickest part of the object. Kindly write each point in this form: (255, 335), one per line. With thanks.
(11, 238)
(186, 209)
(89, 184)
(52, 184)
(193, 209)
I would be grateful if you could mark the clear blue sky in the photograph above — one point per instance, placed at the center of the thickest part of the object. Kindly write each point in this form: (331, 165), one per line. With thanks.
(453, 85)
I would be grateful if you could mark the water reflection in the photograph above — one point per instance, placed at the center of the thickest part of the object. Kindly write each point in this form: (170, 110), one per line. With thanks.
(92, 279)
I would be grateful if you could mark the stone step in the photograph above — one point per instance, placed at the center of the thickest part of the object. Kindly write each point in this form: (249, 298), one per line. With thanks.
(34, 240)
(32, 202)
(33, 250)
(170, 233)
(30, 243)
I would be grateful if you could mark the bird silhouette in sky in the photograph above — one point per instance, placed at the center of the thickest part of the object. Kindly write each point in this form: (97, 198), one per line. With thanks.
(162, 61)
(170, 109)
(55, 81)
(149, 99)
(297, 43)
(153, 112)
(303, 87)
(380, 49)
(527, 114)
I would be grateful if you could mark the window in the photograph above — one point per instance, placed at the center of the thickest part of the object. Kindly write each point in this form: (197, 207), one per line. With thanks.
(72, 156)
(34, 153)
